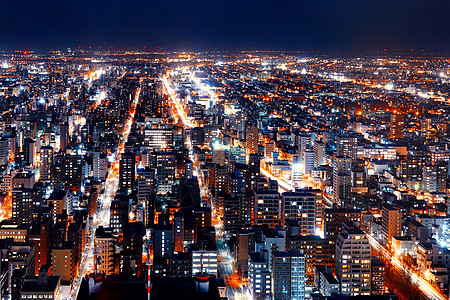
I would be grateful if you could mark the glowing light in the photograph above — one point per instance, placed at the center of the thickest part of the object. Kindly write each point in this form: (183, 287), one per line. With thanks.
(389, 86)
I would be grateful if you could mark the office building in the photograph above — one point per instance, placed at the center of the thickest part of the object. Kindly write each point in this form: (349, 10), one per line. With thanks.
(300, 207)
(342, 179)
(288, 275)
(162, 240)
(353, 261)
(397, 125)
(251, 138)
(259, 276)
(347, 146)
(267, 209)
(127, 171)
(319, 154)
(391, 223)
(104, 250)
(46, 156)
(43, 286)
(63, 262)
(205, 260)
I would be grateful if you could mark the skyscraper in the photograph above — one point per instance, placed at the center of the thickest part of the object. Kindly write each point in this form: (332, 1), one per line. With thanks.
(347, 146)
(397, 124)
(46, 155)
(25, 202)
(127, 171)
(391, 223)
(104, 247)
(300, 206)
(342, 179)
(319, 154)
(353, 261)
(267, 208)
(165, 171)
(251, 138)
(288, 275)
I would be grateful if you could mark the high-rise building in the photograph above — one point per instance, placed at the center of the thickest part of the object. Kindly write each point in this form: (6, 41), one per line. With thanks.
(29, 151)
(434, 178)
(46, 155)
(269, 148)
(197, 136)
(391, 223)
(237, 155)
(308, 161)
(378, 277)
(221, 180)
(64, 136)
(127, 171)
(342, 179)
(219, 154)
(39, 235)
(92, 201)
(288, 275)
(334, 217)
(4, 151)
(300, 207)
(259, 276)
(158, 136)
(132, 246)
(267, 210)
(165, 171)
(425, 127)
(303, 142)
(100, 165)
(353, 261)
(411, 170)
(205, 260)
(347, 146)
(119, 210)
(254, 165)
(73, 172)
(162, 241)
(397, 124)
(145, 184)
(42, 286)
(63, 262)
(60, 202)
(25, 202)
(202, 218)
(178, 232)
(319, 154)
(104, 249)
(317, 251)
(251, 138)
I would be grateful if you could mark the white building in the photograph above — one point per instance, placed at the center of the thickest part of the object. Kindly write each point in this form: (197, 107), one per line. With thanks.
(206, 258)
(353, 261)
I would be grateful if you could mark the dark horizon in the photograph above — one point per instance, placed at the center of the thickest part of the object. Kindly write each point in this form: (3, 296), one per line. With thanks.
(233, 25)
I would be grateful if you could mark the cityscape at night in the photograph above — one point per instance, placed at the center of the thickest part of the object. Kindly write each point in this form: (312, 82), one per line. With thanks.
(237, 150)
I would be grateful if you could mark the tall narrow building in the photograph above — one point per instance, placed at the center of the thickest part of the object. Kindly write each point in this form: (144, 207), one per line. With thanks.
(127, 171)
(353, 261)
(391, 223)
(288, 275)
(342, 179)
(319, 154)
(397, 124)
(251, 138)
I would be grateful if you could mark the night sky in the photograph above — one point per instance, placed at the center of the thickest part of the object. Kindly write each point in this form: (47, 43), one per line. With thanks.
(225, 25)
